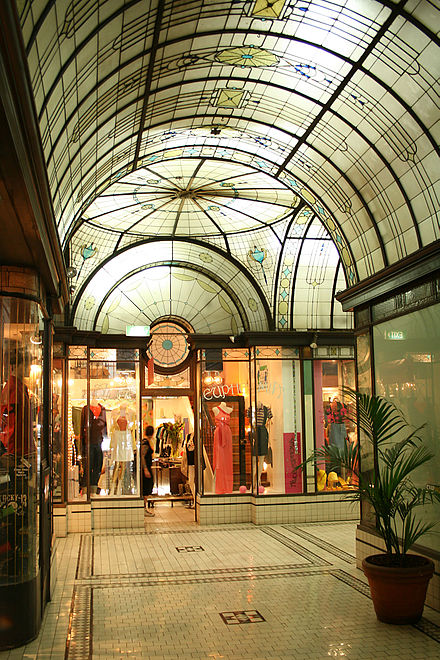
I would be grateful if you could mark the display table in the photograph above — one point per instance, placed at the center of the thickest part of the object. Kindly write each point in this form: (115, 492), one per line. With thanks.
(167, 475)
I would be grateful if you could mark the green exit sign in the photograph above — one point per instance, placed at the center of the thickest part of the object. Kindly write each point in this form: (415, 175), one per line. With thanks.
(137, 331)
(395, 335)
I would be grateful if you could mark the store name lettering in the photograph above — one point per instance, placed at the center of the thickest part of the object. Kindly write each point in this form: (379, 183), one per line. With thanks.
(221, 391)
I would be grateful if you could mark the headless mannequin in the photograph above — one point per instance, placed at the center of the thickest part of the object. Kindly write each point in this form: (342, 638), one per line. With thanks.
(222, 455)
(93, 427)
(264, 414)
(122, 444)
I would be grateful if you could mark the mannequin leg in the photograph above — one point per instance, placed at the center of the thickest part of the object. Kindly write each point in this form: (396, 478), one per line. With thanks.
(259, 469)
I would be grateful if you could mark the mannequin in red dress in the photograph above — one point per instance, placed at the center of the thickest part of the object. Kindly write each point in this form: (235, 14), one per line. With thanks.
(222, 459)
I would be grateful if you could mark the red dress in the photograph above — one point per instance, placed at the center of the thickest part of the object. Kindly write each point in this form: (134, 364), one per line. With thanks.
(222, 459)
(16, 433)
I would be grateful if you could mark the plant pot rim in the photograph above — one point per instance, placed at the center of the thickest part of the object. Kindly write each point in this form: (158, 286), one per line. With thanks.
(425, 565)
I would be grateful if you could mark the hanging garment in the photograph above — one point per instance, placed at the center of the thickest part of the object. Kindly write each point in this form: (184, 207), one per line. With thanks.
(121, 441)
(222, 459)
(97, 430)
(16, 433)
(263, 415)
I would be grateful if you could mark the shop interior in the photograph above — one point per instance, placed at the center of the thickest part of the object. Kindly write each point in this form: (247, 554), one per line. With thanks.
(173, 463)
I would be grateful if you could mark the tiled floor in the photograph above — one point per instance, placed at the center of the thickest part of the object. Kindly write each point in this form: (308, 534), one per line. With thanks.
(176, 590)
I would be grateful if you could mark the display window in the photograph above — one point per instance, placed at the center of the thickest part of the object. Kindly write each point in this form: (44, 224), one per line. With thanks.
(20, 424)
(57, 430)
(225, 425)
(333, 418)
(276, 419)
(406, 368)
(103, 429)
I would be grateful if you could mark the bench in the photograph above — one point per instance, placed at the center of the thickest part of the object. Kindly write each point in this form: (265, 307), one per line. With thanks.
(171, 498)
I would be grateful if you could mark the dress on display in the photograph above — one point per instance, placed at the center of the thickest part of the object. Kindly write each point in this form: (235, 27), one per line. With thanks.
(97, 425)
(264, 413)
(222, 458)
(121, 441)
(16, 433)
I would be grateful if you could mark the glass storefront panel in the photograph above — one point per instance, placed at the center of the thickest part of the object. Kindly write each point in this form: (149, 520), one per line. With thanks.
(57, 430)
(276, 419)
(20, 423)
(332, 413)
(224, 421)
(103, 428)
(407, 372)
(76, 442)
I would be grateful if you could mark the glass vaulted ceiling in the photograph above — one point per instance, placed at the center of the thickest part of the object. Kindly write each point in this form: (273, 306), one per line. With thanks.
(253, 156)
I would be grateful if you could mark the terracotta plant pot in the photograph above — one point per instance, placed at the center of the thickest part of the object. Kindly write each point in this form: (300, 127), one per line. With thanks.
(398, 592)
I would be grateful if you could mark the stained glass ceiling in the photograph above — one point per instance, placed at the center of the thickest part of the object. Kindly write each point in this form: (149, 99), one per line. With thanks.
(293, 141)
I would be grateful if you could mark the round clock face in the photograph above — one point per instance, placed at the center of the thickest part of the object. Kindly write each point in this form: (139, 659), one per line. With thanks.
(169, 346)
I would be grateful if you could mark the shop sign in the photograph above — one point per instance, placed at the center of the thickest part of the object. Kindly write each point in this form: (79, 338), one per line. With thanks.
(395, 335)
(221, 391)
(137, 330)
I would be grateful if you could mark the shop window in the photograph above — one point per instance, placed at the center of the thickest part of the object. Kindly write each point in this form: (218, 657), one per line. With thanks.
(333, 423)
(277, 421)
(20, 425)
(407, 372)
(225, 424)
(57, 430)
(103, 425)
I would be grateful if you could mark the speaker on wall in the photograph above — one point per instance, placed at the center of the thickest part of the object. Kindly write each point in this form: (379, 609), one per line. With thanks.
(125, 359)
(213, 359)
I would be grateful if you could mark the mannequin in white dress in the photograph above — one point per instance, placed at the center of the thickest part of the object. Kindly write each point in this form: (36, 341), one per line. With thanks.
(123, 445)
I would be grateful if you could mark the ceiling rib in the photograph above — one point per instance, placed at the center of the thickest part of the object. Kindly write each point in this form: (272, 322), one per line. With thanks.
(151, 63)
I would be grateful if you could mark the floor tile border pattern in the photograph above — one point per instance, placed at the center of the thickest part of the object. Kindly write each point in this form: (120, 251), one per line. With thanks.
(79, 642)
(324, 545)
(181, 530)
(164, 575)
(316, 560)
(84, 566)
(203, 578)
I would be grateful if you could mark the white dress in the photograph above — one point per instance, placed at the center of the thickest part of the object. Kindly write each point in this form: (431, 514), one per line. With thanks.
(121, 441)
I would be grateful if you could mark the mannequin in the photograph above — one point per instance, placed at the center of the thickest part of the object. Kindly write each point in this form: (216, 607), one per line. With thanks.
(222, 458)
(189, 450)
(122, 444)
(335, 414)
(16, 434)
(264, 414)
(93, 418)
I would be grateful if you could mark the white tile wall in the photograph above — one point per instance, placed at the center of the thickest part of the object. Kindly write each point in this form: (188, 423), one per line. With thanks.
(60, 521)
(117, 514)
(79, 517)
(275, 510)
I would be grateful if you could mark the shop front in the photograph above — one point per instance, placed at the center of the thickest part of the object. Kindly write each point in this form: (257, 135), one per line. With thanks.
(231, 425)
(24, 461)
(262, 410)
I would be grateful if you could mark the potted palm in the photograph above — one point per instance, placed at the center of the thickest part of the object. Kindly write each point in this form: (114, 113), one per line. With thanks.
(398, 580)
